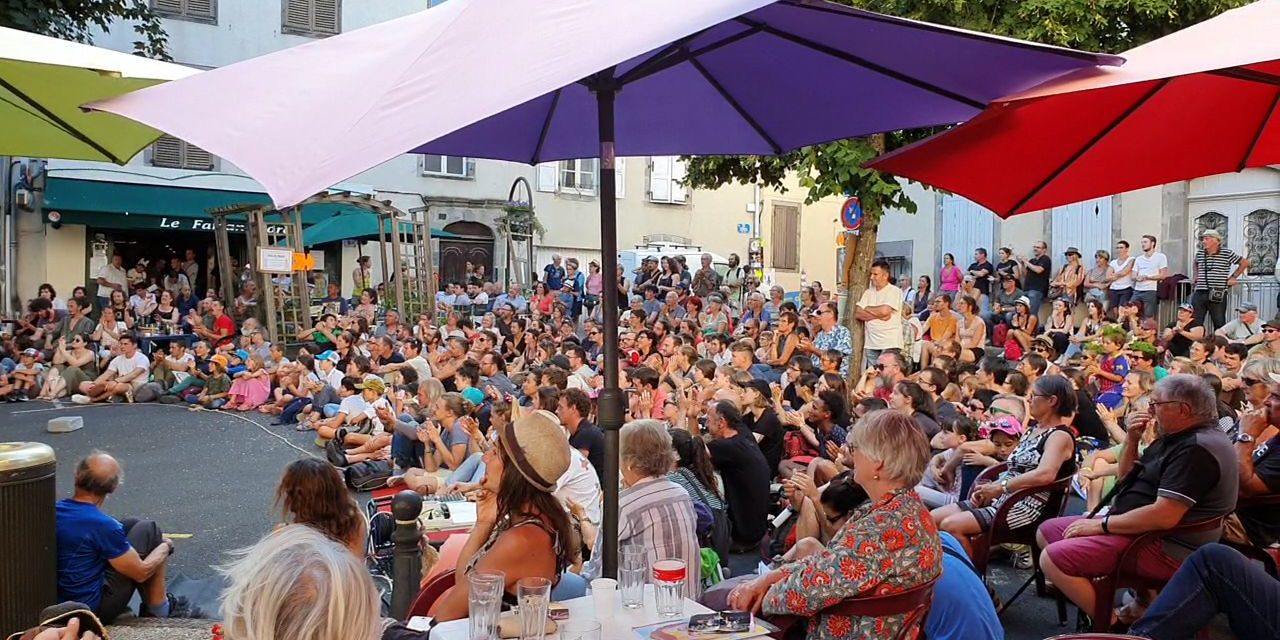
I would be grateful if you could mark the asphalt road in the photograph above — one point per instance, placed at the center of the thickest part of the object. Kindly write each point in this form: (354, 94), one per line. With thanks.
(212, 475)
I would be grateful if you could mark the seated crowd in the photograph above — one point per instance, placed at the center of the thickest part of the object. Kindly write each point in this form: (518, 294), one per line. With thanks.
(742, 434)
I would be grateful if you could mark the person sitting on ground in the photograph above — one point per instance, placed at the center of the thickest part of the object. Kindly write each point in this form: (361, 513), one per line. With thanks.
(26, 379)
(954, 433)
(103, 561)
(298, 583)
(250, 387)
(888, 546)
(312, 493)
(521, 528)
(126, 374)
(73, 363)
(217, 384)
(743, 470)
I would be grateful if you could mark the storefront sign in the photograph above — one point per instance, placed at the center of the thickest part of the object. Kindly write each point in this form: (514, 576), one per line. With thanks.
(275, 260)
(195, 224)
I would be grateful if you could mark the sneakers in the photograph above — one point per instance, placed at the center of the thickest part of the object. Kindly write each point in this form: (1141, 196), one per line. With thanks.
(80, 398)
(179, 607)
(128, 396)
(333, 451)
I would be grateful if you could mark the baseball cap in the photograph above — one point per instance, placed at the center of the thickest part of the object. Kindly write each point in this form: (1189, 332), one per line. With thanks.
(242, 354)
(375, 385)
(30, 352)
(1008, 425)
(220, 359)
(473, 395)
(1024, 301)
(1273, 323)
(331, 356)
(760, 386)
(1187, 306)
(1246, 306)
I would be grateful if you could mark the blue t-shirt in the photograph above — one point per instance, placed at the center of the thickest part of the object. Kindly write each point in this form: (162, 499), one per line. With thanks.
(554, 277)
(87, 539)
(961, 610)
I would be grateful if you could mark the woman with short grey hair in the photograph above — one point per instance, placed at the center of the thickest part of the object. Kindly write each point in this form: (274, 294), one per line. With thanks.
(654, 513)
(887, 546)
(298, 583)
(1255, 377)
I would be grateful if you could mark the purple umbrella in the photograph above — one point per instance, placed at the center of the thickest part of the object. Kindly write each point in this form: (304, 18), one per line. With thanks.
(558, 79)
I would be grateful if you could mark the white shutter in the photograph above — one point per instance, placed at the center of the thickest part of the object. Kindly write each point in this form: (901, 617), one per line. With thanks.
(620, 176)
(327, 16)
(196, 158)
(297, 14)
(200, 8)
(167, 152)
(678, 172)
(168, 6)
(660, 179)
(548, 176)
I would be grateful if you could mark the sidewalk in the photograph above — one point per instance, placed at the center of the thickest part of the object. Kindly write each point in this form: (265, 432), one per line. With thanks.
(161, 629)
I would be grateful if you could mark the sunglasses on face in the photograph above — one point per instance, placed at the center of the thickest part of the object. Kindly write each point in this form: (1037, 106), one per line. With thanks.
(1252, 381)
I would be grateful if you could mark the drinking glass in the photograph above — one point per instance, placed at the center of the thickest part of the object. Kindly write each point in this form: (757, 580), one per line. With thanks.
(532, 594)
(633, 572)
(580, 630)
(668, 586)
(484, 602)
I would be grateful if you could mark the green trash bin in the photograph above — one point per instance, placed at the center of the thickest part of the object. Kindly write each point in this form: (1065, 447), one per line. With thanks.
(29, 562)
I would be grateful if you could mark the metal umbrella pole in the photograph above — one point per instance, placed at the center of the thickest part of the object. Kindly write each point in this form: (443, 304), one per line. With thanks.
(610, 399)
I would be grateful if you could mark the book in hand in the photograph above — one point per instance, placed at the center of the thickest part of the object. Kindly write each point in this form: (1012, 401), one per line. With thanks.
(727, 625)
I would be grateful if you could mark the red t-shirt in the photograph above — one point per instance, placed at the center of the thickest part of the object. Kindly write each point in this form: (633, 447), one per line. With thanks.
(225, 325)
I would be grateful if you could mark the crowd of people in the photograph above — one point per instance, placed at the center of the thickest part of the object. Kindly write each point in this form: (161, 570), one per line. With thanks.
(743, 433)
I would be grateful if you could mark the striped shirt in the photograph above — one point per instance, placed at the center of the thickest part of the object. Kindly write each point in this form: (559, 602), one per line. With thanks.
(657, 514)
(1213, 269)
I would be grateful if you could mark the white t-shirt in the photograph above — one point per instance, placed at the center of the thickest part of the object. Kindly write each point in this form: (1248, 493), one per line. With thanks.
(1118, 265)
(123, 365)
(114, 275)
(1150, 267)
(421, 366)
(179, 376)
(371, 412)
(883, 334)
(333, 378)
(580, 484)
(352, 405)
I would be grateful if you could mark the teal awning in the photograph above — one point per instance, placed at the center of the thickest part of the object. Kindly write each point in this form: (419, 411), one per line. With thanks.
(356, 225)
(126, 205)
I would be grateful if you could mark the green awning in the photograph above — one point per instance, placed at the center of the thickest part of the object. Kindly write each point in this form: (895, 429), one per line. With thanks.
(358, 225)
(125, 205)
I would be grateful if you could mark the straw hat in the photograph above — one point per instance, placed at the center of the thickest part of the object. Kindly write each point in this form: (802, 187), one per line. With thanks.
(538, 448)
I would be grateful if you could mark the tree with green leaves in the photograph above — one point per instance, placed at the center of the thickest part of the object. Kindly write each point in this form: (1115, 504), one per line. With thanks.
(838, 168)
(76, 19)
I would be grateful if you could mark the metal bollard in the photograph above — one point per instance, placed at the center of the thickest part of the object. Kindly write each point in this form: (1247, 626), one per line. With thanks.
(29, 561)
(406, 559)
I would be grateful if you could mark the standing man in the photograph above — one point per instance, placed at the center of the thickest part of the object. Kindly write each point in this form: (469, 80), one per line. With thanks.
(1036, 272)
(112, 277)
(553, 274)
(880, 309)
(1214, 271)
(361, 276)
(1148, 270)
(102, 561)
(982, 270)
(190, 268)
(706, 280)
(1121, 288)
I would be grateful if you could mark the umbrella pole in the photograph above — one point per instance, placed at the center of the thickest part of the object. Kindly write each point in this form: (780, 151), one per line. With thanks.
(610, 400)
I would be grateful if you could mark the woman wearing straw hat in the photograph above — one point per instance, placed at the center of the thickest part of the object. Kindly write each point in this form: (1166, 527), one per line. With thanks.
(521, 529)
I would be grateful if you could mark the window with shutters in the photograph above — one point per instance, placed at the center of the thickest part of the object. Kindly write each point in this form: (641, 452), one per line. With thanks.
(1262, 241)
(785, 237)
(172, 153)
(316, 18)
(194, 10)
(1212, 220)
(578, 176)
(448, 166)
(666, 178)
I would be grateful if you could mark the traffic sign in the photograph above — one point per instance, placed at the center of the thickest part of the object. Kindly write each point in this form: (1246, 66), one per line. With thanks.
(851, 213)
(744, 228)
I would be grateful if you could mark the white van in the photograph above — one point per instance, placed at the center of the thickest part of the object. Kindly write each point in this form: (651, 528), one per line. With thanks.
(632, 259)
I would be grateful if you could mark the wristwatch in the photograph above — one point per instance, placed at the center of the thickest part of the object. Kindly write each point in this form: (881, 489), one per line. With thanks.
(1242, 437)
(1004, 486)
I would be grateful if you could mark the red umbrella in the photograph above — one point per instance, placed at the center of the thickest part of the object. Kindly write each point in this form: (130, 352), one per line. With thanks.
(1198, 102)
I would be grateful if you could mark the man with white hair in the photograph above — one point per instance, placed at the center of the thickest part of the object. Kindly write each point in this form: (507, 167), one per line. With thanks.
(706, 279)
(1189, 474)
(1246, 328)
(1214, 271)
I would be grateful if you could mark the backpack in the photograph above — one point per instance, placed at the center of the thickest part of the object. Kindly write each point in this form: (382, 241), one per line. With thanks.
(367, 476)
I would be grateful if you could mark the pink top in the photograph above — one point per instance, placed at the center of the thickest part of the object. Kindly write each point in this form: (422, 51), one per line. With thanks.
(950, 278)
(595, 284)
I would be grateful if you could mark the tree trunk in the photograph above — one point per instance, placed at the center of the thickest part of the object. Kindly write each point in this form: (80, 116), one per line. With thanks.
(860, 252)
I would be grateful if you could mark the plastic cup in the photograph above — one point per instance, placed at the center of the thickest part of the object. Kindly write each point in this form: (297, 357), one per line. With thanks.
(603, 593)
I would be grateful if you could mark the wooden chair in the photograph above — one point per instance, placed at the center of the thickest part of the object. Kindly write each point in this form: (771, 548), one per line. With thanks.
(1001, 533)
(1267, 556)
(429, 593)
(914, 603)
(1126, 573)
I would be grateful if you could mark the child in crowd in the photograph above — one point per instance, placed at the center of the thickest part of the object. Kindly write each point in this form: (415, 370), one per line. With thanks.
(217, 386)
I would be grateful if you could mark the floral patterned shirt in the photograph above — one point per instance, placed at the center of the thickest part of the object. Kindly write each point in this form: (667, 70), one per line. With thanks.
(885, 548)
(837, 338)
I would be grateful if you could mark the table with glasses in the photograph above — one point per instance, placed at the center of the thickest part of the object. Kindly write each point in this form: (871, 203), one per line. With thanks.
(616, 624)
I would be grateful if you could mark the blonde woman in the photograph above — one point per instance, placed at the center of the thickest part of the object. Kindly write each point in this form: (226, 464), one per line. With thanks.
(298, 583)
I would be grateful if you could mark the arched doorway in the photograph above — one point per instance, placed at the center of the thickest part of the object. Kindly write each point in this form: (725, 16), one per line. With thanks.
(475, 246)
